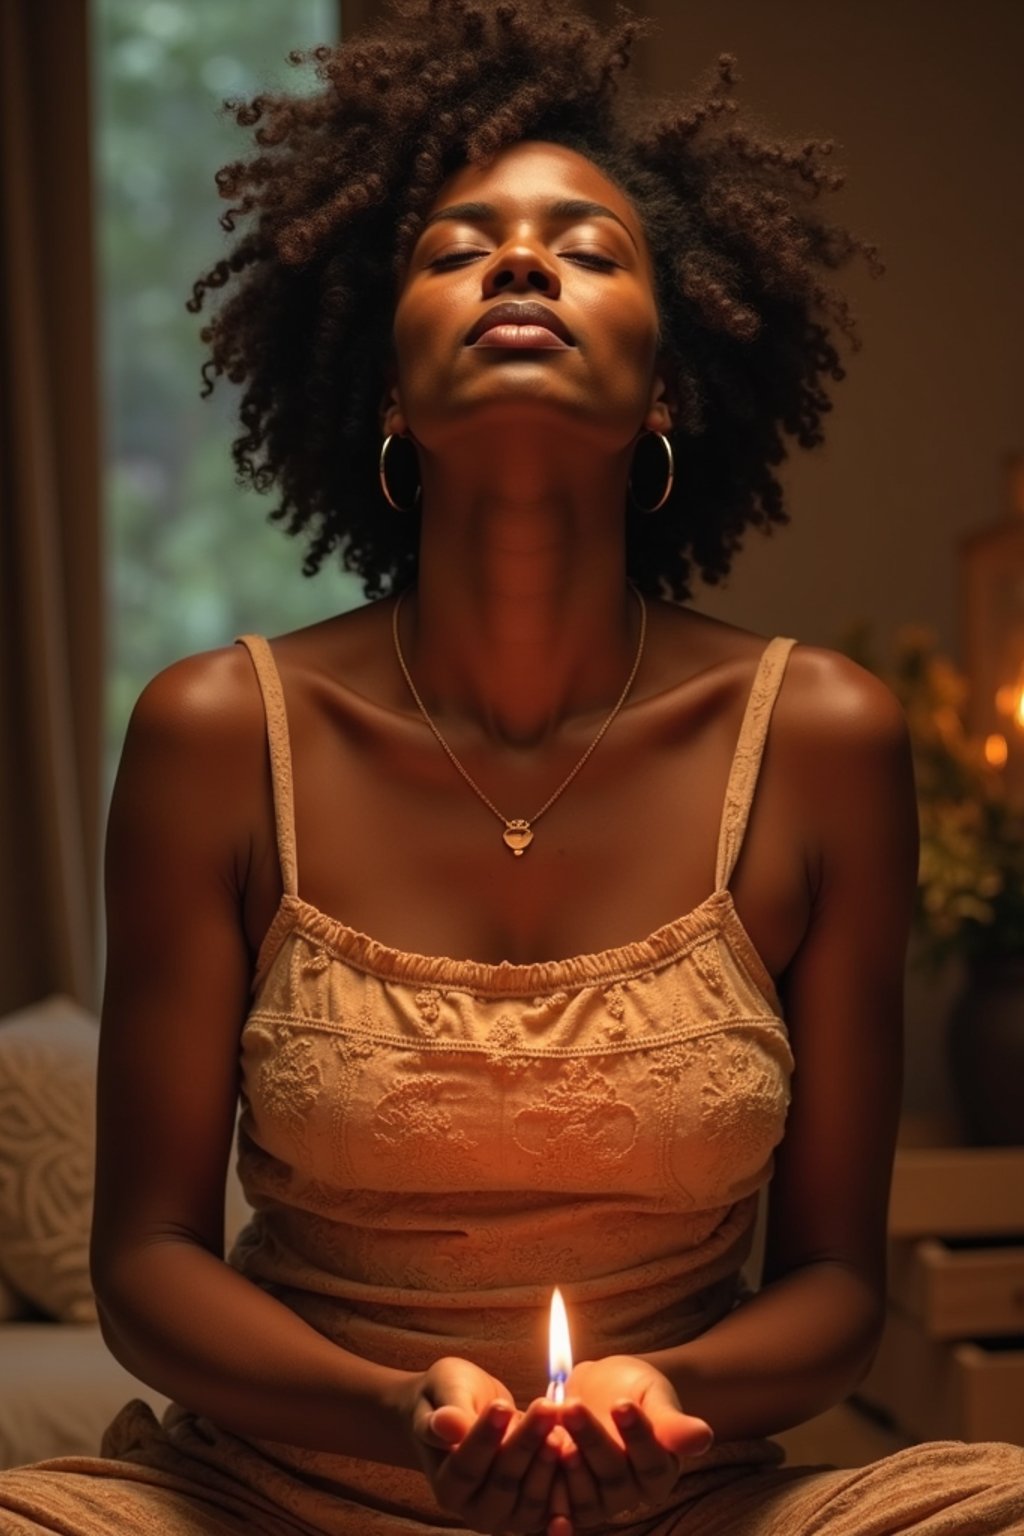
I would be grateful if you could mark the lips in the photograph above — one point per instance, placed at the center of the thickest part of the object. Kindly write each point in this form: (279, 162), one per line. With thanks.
(527, 313)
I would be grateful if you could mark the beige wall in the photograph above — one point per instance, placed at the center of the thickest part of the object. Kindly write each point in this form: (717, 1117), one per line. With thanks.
(924, 99)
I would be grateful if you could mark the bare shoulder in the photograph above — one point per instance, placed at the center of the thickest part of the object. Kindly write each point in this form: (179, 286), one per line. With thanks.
(211, 698)
(827, 699)
(831, 703)
(195, 750)
(844, 744)
(835, 722)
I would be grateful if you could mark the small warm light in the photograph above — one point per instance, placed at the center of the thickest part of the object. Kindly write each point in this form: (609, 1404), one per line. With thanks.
(996, 751)
(1018, 709)
(1007, 699)
(559, 1350)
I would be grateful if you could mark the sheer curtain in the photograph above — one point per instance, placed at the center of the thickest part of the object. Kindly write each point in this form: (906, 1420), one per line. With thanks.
(51, 636)
(51, 549)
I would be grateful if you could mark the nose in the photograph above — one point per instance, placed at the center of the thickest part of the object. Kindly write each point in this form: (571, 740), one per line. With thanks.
(521, 265)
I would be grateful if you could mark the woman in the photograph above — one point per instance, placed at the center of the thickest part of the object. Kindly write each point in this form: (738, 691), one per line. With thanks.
(581, 341)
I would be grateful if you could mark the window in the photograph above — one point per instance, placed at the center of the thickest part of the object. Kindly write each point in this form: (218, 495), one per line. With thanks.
(191, 558)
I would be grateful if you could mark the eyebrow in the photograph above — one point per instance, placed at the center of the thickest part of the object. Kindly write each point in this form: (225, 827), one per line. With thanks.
(565, 208)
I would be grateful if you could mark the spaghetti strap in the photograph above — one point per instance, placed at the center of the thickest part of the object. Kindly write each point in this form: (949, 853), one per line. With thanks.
(739, 794)
(280, 756)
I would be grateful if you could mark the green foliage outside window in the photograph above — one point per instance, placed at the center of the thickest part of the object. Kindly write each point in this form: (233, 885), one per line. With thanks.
(191, 558)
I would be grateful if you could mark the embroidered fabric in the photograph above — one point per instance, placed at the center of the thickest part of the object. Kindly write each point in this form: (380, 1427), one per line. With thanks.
(431, 1144)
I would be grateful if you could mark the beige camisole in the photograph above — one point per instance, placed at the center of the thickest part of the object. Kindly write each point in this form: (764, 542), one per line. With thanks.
(430, 1144)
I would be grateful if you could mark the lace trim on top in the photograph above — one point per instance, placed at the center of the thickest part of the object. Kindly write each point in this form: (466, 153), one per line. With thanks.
(507, 978)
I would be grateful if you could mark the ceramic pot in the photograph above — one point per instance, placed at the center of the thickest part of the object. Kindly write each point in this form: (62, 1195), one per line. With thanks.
(986, 1051)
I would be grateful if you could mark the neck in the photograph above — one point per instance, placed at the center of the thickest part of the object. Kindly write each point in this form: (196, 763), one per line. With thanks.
(516, 663)
(521, 618)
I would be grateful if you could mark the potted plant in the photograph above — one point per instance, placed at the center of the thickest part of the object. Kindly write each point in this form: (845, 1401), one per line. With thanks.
(970, 896)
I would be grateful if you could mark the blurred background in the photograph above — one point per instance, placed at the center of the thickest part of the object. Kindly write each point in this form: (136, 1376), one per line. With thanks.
(124, 542)
(121, 545)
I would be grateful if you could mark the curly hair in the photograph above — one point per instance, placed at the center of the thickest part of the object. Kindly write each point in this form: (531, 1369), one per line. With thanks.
(337, 192)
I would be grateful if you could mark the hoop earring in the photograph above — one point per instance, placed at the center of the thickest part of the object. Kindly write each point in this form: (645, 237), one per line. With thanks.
(668, 484)
(382, 474)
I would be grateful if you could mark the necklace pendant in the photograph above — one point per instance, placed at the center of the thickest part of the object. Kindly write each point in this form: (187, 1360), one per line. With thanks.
(518, 836)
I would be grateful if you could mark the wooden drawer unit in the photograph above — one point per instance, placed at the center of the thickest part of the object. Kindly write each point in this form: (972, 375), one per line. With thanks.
(946, 1391)
(960, 1289)
(957, 1192)
(951, 1362)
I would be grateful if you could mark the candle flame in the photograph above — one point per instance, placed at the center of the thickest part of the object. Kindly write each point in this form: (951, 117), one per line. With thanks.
(559, 1348)
(1018, 712)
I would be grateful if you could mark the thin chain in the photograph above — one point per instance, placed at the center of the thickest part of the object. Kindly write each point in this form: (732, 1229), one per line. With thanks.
(570, 776)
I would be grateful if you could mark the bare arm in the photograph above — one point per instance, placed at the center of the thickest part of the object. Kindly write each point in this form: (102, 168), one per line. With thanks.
(189, 817)
(189, 825)
(809, 1336)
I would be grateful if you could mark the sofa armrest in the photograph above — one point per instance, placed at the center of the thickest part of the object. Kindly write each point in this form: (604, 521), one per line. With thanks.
(59, 1389)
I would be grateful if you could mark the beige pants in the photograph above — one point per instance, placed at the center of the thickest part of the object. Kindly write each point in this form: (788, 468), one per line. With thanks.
(943, 1488)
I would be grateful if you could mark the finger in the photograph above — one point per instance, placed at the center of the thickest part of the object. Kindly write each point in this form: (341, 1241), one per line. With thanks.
(559, 1508)
(680, 1433)
(655, 1470)
(560, 1503)
(530, 1431)
(585, 1501)
(448, 1425)
(426, 1428)
(533, 1499)
(462, 1473)
(520, 1474)
(683, 1434)
(605, 1458)
(648, 1457)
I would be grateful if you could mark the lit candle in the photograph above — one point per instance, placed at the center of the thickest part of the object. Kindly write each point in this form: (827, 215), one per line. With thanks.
(559, 1350)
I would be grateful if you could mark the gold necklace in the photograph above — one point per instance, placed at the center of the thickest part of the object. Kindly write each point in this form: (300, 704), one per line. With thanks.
(518, 833)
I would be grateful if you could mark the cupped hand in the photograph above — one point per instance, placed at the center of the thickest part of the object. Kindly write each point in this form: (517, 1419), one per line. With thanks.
(487, 1463)
(628, 1433)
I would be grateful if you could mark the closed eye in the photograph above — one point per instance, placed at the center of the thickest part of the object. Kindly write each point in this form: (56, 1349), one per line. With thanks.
(452, 257)
(589, 258)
